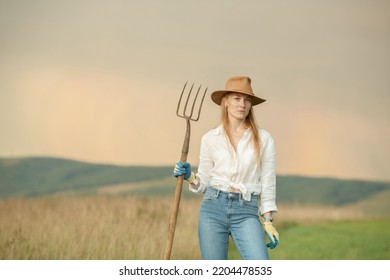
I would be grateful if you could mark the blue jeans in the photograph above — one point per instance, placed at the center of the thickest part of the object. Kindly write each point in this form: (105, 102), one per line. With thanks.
(222, 214)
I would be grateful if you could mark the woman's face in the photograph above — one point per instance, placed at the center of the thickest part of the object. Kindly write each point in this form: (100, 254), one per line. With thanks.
(238, 105)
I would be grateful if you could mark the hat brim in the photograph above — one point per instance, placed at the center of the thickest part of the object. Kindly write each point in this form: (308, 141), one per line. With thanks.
(217, 96)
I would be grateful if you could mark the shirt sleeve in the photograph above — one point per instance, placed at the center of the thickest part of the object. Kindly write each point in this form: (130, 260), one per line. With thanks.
(205, 166)
(268, 176)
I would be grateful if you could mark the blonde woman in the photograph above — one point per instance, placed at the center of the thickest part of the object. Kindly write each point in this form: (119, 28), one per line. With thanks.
(236, 173)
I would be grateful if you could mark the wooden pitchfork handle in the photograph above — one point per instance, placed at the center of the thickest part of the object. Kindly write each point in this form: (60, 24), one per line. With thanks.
(184, 152)
(176, 203)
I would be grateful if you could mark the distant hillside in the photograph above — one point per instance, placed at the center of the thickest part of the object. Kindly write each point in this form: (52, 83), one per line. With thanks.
(296, 189)
(27, 177)
(45, 176)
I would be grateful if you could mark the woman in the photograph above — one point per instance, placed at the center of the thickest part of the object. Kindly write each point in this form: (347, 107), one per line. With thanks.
(236, 172)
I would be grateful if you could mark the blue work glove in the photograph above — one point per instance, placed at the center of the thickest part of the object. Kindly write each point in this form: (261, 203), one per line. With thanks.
(272, 234)
(182, 168)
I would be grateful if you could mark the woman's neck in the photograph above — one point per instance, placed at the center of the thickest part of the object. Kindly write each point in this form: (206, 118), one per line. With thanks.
(237, 126)
(236, 130)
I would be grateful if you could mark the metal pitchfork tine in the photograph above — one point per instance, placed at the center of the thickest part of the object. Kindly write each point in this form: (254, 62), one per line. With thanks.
(184, 152)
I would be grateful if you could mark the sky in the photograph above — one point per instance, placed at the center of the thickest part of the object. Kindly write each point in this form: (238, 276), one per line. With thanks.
(99, 81)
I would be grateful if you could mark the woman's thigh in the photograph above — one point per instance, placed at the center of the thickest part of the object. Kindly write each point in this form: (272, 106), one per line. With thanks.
(212, 227)
(247, 231)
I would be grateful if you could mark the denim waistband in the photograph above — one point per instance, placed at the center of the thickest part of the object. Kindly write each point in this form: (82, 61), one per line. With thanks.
(228, 194)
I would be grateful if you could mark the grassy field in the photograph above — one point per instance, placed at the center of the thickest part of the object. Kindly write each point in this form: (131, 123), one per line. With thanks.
(112, 227)
(352, 240)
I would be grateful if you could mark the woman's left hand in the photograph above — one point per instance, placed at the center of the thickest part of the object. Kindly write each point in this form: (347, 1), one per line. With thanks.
(272, 234)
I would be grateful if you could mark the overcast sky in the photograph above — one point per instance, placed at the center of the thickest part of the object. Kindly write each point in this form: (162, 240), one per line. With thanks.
(99, 81)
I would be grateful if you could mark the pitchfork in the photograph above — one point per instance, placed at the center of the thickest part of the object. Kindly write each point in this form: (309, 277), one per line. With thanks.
(184, 152)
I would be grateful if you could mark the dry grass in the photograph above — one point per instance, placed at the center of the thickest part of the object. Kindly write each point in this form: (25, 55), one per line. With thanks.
(93, 228)
(112, 227)
(124, 188)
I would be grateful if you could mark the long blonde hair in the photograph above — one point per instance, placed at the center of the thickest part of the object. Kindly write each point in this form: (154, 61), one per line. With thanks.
(250, 122)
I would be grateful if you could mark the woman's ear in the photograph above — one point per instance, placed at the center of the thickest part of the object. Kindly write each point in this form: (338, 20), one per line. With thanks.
(224, 100)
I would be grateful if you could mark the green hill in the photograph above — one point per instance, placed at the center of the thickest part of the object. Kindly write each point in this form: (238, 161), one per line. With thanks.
(296, 189)
(27, 177)
(45, 176)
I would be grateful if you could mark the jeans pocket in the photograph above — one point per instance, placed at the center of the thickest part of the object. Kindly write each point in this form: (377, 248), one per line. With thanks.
(210, 195)
(252, 204)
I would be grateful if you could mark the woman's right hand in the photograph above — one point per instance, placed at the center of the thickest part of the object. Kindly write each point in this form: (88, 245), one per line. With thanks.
(182, 168)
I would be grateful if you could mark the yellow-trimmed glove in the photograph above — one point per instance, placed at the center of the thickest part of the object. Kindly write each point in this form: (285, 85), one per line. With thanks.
(272, 234)
(184, 168)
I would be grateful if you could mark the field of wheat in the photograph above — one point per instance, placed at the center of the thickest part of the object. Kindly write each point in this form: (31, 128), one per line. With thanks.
(112, 227)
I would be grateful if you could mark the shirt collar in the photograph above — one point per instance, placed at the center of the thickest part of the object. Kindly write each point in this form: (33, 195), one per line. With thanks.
(219, 130)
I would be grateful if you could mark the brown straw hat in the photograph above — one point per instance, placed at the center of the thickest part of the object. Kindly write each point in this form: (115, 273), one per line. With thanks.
(238, 84)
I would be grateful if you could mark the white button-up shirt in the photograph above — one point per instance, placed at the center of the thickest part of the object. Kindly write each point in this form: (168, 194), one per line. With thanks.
(222, 167)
